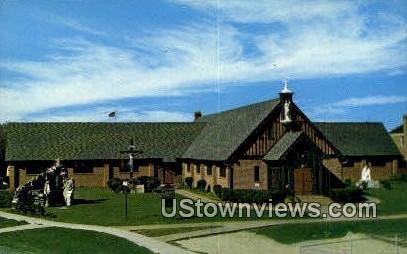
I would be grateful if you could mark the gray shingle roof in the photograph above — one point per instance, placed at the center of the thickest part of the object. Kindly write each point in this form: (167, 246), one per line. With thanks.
(283, 144)
(226, 131)
(359, 139)
(90, 141)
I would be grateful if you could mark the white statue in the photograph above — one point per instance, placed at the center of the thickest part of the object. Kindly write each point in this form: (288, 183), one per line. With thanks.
(47, 191)
(286, 117)
(365, 177)
(69, 188)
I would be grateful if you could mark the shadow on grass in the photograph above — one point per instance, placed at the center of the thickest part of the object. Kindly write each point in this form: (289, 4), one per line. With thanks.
(81, 201)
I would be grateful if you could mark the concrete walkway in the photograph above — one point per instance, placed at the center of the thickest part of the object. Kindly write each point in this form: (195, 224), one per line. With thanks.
(228, 227)
(141, 240)
(195, 196)
(21, 227)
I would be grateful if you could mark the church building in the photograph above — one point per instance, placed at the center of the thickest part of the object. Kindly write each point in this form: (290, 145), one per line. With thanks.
(266, 145)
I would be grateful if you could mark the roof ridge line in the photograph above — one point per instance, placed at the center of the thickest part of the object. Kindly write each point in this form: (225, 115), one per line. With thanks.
(241, 107)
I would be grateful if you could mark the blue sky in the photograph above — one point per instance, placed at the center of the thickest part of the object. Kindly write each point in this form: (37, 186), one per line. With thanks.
(159, 60)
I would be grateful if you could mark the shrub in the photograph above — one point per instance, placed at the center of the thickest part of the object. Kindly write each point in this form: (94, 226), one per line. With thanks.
(278, 196)
(5, 198)
(363, 185)
(253, 196)
(114, 184)
(218, 190)
(400, 178)
(188, 181)
(4, 182)
(208, 188)
(348, 194)
(348, 182)
(150, 183)
(201, 184)
(168, 194)
(386, 184)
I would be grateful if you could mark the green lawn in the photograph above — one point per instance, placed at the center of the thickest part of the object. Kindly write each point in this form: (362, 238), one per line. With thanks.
(4, 223)
(169, 231)
(294, 233)
(100, 206)
(392, 201)
(60, 240)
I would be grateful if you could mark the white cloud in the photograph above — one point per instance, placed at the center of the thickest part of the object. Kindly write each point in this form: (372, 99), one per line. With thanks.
(100, 114)
(268, 11)
(370, 101)
(317, 39)
(341, 107)
(75, 25)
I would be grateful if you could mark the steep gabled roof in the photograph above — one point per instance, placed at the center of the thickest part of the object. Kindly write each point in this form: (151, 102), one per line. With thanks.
(359, 139)
(90, 141)
(224, 132)
(282, 146)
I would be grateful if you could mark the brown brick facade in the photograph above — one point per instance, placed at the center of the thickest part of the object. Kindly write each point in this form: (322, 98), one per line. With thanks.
(386, 169)
(97, 176)
(243, 175)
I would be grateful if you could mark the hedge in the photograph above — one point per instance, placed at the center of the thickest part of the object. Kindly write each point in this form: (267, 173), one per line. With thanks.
(348, 194)
(114, 184)
(188, 181)
(217, 189)
(6, 197)
(201, 184)
(150, 183)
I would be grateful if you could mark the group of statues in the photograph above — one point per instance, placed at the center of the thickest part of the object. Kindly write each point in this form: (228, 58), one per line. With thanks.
(51, 187)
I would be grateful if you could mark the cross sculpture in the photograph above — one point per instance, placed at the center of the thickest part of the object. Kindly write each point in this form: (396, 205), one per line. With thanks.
(131, 152)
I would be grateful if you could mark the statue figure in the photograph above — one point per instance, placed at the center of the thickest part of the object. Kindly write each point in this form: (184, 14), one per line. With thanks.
(47, 191)
(286, 117)
(365, 177)
(69, 188)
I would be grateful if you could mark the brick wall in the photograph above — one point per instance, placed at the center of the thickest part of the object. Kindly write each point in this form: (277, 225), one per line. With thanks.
(343, 172)
(243, 175)
(212, 179)
(98, 178)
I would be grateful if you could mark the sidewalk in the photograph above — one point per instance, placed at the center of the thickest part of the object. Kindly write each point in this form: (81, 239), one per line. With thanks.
(141, 240)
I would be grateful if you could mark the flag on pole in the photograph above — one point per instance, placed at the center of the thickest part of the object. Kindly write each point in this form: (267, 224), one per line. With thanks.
(112, 114)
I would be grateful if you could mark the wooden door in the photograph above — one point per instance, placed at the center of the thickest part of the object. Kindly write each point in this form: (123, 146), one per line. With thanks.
(168, 176)
(303, 181)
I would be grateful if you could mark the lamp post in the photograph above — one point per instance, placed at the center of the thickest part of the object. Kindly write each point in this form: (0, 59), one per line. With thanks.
(125, 190)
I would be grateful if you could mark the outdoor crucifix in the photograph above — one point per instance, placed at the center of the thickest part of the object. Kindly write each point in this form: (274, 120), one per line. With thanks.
(131, 152)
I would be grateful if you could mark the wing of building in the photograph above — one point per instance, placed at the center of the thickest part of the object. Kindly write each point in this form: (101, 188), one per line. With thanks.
(267, 145)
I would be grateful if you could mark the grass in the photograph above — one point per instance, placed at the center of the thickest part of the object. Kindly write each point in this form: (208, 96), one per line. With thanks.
(100, 206)
(61, 240)
(169, 231)
(294, 233)
(5, 223)
(392, 201)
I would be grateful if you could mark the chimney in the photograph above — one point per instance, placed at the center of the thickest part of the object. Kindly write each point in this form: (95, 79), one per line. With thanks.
(197, 115)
